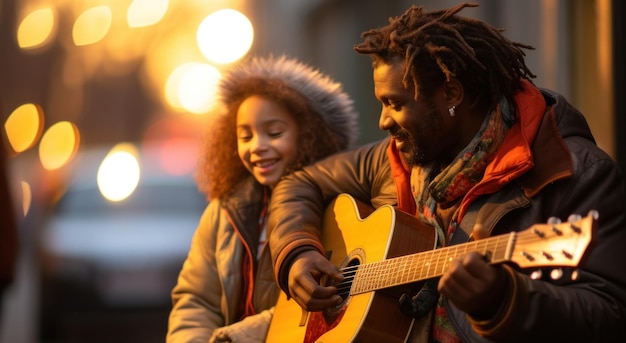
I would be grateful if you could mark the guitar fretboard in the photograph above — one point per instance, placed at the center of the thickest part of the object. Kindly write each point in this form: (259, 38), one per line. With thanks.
(425, 265)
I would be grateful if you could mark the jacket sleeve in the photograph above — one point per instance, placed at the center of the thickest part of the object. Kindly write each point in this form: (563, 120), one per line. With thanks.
(196, 310)
(299, 200)
(587, 304)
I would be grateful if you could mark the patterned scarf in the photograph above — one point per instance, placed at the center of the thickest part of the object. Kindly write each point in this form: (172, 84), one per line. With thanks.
(434, 186)
(445, 187)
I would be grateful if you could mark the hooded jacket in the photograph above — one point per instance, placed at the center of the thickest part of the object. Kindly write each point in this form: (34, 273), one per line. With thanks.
(222, 274)
(548, 165)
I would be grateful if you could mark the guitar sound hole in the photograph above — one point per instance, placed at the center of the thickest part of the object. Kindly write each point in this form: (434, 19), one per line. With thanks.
(349, 271)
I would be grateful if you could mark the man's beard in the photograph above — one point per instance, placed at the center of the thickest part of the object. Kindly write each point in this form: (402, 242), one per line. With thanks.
(415, 156)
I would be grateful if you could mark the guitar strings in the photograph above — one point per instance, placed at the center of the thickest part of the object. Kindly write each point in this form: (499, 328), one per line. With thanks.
(410, 264)
(343, 288)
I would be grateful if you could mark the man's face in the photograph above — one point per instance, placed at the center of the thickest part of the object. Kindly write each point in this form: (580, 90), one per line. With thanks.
(421, 127)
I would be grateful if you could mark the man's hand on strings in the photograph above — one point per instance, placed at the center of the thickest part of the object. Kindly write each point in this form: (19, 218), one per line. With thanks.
(305, 275)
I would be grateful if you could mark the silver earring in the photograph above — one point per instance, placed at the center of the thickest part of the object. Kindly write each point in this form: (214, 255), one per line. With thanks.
(451, 111)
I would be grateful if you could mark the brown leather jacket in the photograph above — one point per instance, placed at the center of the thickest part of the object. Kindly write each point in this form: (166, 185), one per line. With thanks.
(567, 174)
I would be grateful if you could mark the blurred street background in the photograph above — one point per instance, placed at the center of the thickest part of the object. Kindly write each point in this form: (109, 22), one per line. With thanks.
(104, 105)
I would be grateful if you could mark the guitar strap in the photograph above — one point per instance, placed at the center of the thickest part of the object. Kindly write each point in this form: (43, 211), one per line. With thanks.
(458, 237)
(467, 223)
(421, 303)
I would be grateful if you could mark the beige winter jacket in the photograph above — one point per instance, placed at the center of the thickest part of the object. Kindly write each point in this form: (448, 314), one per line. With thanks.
(221, 242)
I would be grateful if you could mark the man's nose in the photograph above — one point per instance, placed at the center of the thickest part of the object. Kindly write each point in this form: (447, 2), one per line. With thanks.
(385, 122)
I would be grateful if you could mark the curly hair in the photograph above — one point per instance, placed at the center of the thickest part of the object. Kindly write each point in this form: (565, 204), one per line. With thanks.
(440, 45)
(221, 169)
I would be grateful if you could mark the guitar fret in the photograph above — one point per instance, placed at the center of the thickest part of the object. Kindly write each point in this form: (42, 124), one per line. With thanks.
(496, 253)
(423, 263)
(372, 275)
(373, 280)
(401, 270)
(414, 262)
(444, 260)
(428, 263)
(395, 272)
(359, 278)
(382, 271)
(450, 258)
(406, 269)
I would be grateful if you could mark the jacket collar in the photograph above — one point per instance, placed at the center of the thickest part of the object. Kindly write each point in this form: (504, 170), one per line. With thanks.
(533, 153)
(243, 208)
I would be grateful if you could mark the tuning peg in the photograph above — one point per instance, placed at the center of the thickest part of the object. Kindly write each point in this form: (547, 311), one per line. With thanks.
(556, 273)
(574, 217)
(536, 274)
(594, 214)
(554, 220)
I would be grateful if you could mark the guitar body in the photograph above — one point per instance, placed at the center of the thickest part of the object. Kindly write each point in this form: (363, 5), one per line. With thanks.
(354, 234)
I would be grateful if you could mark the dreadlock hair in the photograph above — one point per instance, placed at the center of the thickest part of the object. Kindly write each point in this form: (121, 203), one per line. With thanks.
(220, 167)
(440, 45)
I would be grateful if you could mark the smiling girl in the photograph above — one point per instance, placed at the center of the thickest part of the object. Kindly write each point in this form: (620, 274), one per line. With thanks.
(276, 115)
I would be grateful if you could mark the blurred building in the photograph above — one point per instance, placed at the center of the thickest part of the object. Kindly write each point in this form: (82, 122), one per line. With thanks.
(111, 91)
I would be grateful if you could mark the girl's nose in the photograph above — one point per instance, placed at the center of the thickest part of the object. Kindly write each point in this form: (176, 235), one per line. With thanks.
(259, 144)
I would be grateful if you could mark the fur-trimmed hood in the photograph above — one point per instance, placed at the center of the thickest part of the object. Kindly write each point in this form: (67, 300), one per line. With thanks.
(323, 94)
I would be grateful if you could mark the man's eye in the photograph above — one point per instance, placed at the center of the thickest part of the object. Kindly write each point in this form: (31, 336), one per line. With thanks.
(395, 106)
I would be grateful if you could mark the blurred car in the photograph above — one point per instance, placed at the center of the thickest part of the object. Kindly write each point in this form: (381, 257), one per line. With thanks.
(107, 268)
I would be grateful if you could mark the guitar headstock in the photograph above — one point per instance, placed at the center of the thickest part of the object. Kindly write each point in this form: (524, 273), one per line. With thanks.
(560, 244)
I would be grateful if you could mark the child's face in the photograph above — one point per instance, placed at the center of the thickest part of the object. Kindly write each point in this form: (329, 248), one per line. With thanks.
(267, 139)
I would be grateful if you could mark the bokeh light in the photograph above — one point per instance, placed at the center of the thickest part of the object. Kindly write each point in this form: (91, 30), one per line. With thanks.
(119, 173)
(24, 126)
(162, 59)
(192, 87)
(27, 197)
(225, 36)
(92, 25)
(58, 145)
(146, 12)
(36, 29)
(179, 156)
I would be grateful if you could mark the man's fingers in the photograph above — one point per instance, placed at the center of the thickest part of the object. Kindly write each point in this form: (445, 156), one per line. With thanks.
(314, 297)
(308, 285)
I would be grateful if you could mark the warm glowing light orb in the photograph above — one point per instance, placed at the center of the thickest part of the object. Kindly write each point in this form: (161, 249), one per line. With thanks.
(36, 29)
(143, 13)
(92, 25)
(225, 36)
(192, 87)
(27, 197)
(58, 145)
(118, 174)
(24, 126)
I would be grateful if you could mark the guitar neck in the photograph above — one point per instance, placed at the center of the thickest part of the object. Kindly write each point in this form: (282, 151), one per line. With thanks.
(426, 265)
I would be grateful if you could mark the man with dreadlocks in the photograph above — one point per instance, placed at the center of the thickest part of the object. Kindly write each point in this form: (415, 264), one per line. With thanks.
(475, 150)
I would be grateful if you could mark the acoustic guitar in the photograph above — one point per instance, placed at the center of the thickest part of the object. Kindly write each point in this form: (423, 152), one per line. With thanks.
(380, 252)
